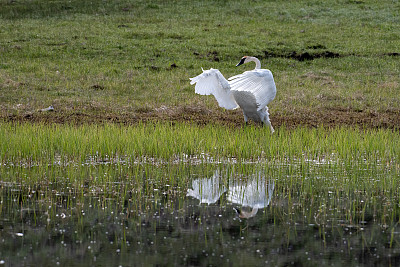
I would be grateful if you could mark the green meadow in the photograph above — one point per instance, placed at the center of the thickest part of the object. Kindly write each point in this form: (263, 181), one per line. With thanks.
(103, 179)
(130, 60)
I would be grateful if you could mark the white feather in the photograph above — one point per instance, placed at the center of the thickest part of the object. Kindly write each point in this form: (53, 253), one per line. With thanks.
(212, 82)
(260, 83)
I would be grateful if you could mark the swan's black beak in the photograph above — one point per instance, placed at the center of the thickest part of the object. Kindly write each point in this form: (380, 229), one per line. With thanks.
(241, 61)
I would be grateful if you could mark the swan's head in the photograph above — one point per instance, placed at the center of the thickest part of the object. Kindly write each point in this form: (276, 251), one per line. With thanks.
(244, 59)
(247, 59)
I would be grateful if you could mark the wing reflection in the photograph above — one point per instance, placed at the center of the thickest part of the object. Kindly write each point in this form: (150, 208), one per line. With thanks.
(255, 193)
(207, 190)
(252, 194)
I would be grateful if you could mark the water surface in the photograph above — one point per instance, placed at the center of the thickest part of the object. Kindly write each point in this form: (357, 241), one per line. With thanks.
(253, 214)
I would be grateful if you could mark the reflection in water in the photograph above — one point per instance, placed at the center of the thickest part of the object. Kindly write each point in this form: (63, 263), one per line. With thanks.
(139, 215)
(207, 190)
(254, 193)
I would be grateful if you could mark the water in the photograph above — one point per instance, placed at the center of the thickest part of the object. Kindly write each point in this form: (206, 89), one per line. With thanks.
(199, 214)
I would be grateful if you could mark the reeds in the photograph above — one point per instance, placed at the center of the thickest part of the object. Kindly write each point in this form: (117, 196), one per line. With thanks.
(49, 144)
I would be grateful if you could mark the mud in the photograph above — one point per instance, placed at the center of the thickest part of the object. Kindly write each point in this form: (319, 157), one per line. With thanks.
(200, 115)
(314, 52)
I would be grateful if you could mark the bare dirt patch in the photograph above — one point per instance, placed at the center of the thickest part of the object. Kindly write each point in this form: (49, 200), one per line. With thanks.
(201, 115)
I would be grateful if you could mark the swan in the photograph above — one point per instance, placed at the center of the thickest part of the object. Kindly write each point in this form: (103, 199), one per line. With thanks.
(252, 90)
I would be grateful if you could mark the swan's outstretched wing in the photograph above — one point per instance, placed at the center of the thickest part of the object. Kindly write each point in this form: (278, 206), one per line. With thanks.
(212, 82)
(260, 83)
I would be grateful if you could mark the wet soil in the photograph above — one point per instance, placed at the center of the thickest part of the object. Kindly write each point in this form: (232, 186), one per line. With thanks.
(313, 52)
(331, 117)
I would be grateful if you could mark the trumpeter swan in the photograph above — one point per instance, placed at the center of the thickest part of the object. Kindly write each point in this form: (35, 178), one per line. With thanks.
(252, 90)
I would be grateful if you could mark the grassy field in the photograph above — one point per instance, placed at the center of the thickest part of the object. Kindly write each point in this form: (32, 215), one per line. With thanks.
(128, 61)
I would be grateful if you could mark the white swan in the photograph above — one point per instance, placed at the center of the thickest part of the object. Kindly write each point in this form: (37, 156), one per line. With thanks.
(252, 90)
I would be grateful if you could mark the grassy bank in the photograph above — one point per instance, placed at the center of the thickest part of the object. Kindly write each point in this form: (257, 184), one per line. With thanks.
(334, 63)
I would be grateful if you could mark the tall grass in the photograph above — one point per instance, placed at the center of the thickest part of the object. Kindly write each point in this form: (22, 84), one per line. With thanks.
(30, 143)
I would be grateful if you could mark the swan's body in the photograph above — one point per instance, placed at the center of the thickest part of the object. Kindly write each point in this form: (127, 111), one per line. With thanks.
(252, 90)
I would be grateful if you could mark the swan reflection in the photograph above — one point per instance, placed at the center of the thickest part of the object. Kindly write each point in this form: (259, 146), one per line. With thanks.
(251, 194)
(255, 193)
(207, 190)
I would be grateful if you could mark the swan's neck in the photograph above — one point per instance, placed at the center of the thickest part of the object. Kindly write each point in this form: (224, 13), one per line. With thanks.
(258, 63)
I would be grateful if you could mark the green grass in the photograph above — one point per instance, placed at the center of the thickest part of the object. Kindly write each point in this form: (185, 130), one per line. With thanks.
(44, 144)
(115, 57)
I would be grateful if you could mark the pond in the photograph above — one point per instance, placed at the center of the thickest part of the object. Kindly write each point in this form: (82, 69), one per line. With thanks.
(120, 213)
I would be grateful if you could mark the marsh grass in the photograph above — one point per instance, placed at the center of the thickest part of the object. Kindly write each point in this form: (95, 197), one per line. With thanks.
(144, 164)
(59, 144)
(341, 181)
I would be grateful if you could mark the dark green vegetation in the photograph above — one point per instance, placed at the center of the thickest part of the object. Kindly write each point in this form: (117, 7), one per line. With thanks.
(334, 63)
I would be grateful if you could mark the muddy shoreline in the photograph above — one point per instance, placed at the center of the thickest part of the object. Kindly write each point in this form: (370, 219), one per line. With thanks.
(203, 116)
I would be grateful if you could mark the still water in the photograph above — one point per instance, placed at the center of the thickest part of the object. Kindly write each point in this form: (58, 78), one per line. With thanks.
(182, 214)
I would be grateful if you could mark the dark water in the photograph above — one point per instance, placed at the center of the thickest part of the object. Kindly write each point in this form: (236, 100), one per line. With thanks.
(212, 215)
